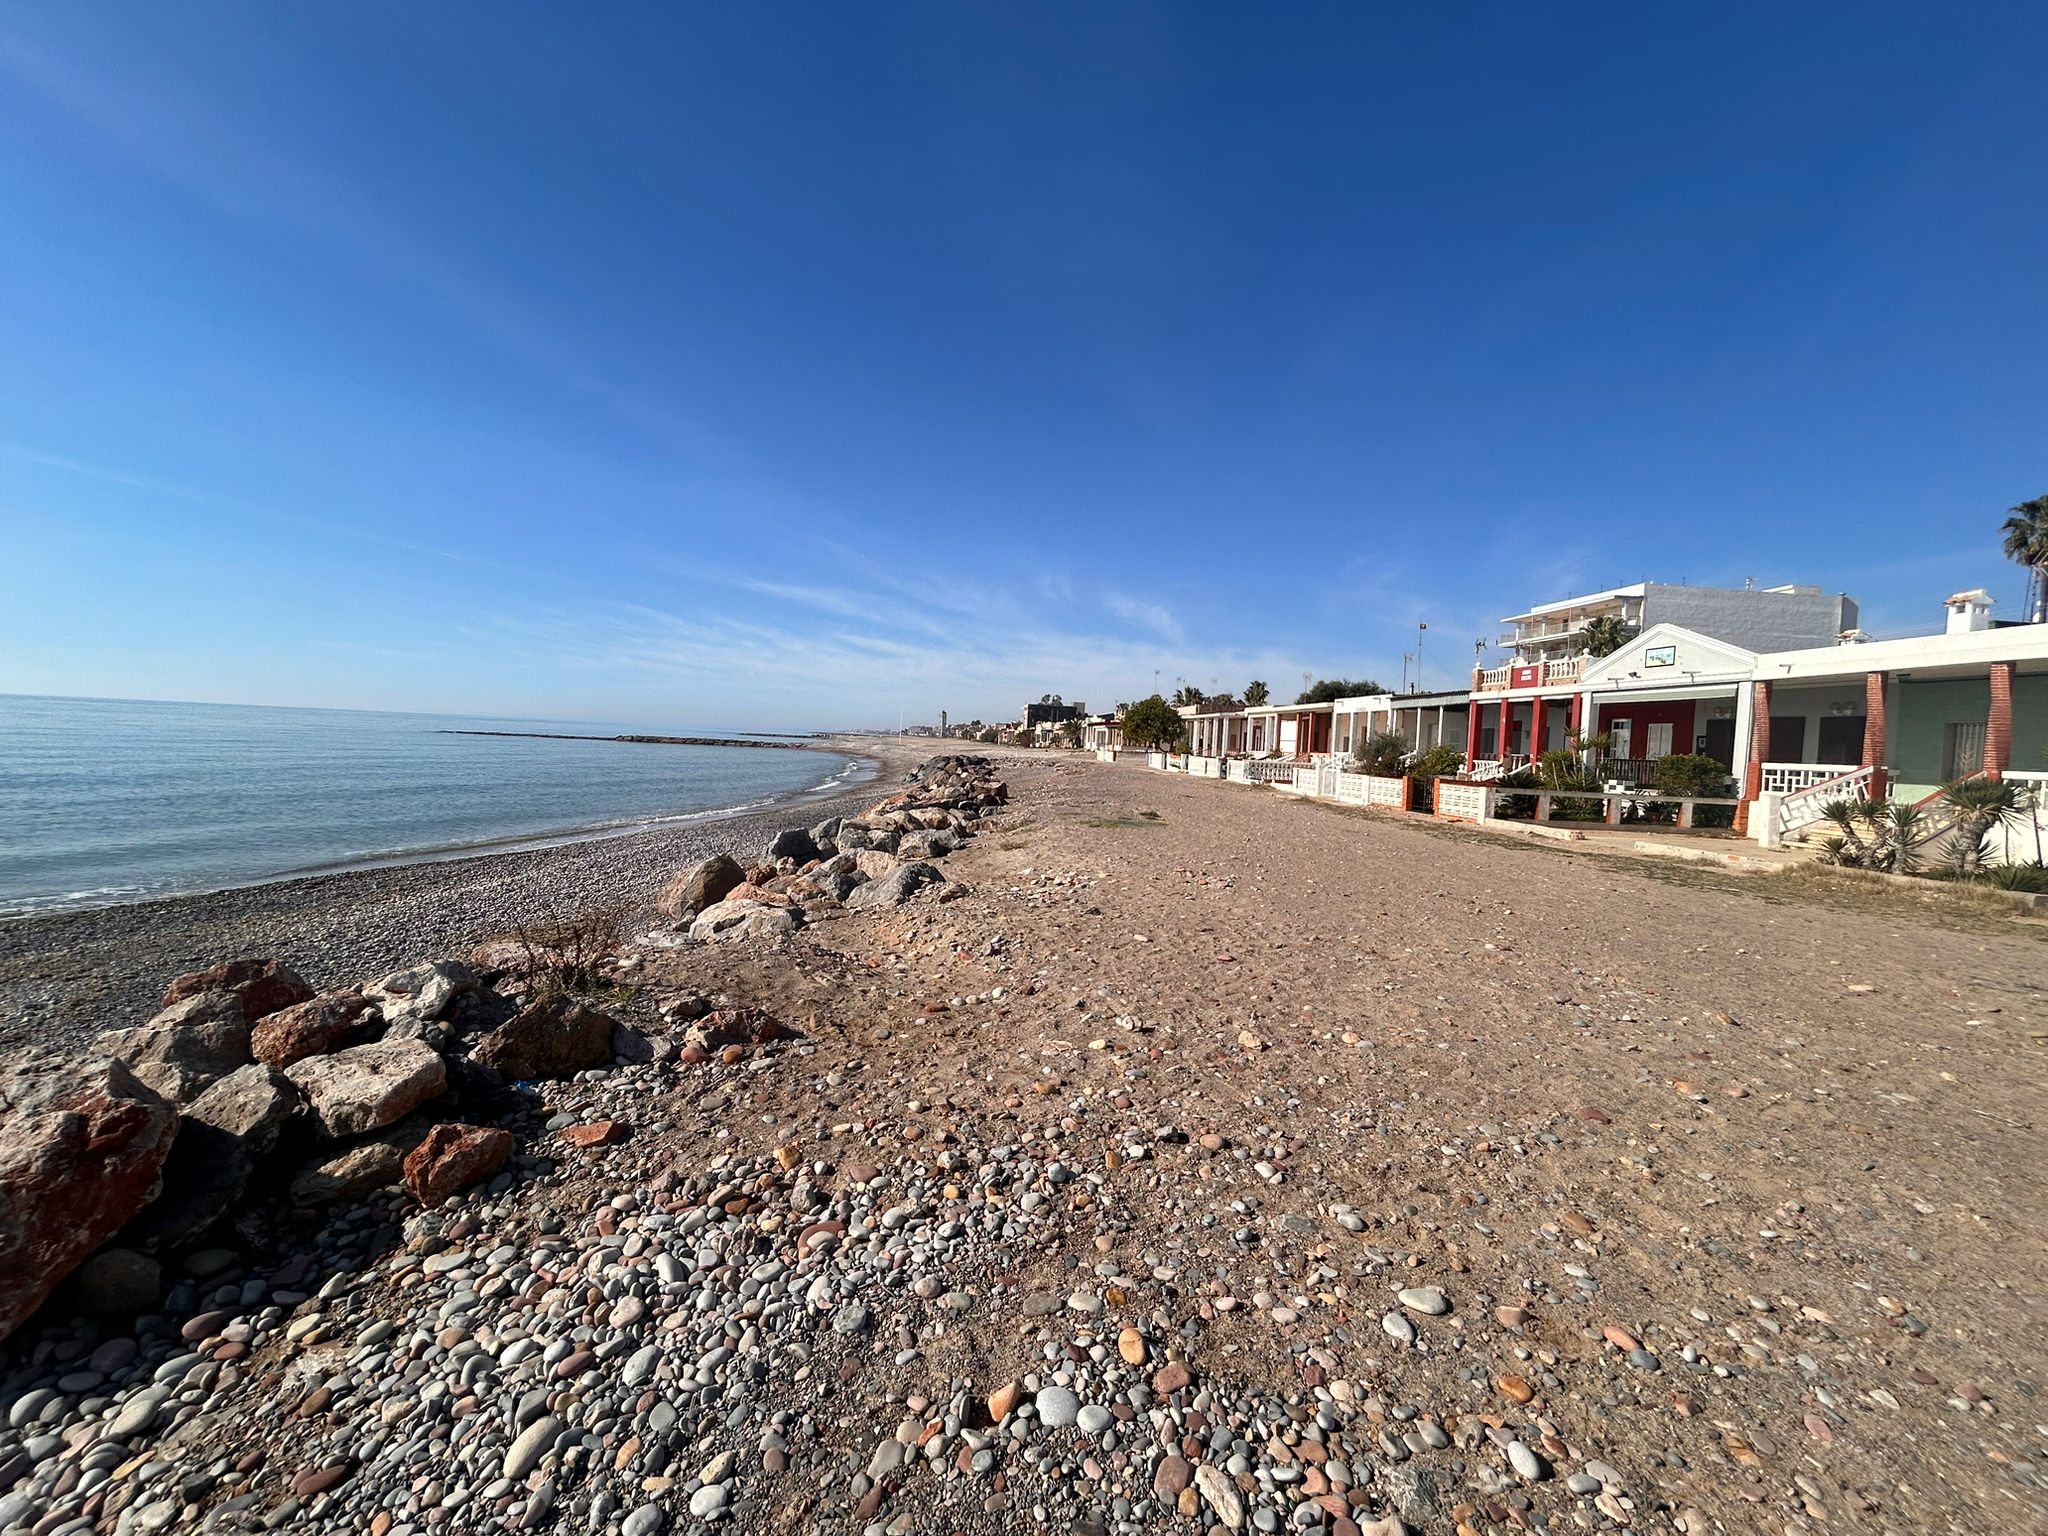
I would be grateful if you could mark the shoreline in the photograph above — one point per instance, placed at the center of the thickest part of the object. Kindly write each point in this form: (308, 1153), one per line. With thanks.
(517, 842)
(70, 973)
(788, 744)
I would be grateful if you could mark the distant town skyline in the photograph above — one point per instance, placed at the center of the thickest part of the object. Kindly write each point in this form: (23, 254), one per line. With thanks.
(814, 367)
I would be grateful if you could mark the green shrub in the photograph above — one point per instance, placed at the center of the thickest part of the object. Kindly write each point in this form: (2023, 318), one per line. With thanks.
(1689, 775)
(1436, 763)
(1381, 753)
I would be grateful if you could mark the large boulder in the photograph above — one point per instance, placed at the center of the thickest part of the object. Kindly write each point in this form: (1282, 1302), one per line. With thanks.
(225, 1136)
(355, 1172)
(703, 886)
(422, 992)
(558, 1036)
(312, 1028)
(894, 888)
(741, 918)
(82, 1144)
(453, 1157)
(826, 836)
(873, 863)
(933, 844)
(264, 986)
(368, 1087)
(202, 1008)
(178, 1061)
(791, 843)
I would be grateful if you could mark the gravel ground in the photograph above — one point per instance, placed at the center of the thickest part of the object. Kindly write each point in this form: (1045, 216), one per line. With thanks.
(1219, 1162)
(68, 976)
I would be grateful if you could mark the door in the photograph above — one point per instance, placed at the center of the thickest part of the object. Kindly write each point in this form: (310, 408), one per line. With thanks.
(1719, 742)
(1621, 735)
(1841, 739)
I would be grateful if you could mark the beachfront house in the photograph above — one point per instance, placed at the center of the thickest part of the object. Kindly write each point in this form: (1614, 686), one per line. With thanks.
(1421, 720)
(1104, 733)
(1297, 731)
(1525, 706)
(1216, 730)
(1893, 718)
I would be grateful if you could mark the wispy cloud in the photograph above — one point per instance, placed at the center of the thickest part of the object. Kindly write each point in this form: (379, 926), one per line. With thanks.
(1142, 614)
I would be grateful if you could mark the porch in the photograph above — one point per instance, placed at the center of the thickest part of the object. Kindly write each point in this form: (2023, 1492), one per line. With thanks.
(1917, 714)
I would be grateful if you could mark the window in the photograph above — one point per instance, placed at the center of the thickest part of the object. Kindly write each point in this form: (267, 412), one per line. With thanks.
(1962, 749)
(1657, 739)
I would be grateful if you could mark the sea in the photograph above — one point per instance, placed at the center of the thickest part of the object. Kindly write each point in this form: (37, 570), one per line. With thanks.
(105, 800)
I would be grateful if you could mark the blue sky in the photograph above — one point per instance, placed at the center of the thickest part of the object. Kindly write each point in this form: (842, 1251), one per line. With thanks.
(798, 365)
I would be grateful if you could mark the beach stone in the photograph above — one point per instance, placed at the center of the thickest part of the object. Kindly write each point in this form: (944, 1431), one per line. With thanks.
(746, 1027)
(453, 1157)
(120, 1283)
(525, 1452)
(225, 1135)
(82, 1146)
(1173, 1474)
(597, 1133)
(1426, 1299)
(312, 1028)
(1527, 1464)
(1057, 1407)
(368, 1087)
(701, 886)
(556, 1037)
(264, 986)
(178, 1062)
(894, 888)
(1220, 1494)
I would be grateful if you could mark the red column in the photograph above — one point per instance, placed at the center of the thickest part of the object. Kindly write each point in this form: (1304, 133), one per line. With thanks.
(1500, 738)
(1759, 739)
(1472, 724)
(1873, 732)
(1998, 729)
(1575, 722)
(1536, 723)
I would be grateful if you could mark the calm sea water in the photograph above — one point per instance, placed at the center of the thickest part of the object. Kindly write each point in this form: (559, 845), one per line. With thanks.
(106, 800)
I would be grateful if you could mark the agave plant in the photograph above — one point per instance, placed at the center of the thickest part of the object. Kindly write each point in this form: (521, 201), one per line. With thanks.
(1875, 834)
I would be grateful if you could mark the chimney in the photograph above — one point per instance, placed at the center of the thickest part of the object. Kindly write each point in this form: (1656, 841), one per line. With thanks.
(1969, 612)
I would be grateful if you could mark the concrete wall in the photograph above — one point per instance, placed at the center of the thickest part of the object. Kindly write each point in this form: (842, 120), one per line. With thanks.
(1757, 621)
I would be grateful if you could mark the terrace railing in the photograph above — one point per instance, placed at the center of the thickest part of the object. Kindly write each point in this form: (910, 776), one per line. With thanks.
(1804, 807)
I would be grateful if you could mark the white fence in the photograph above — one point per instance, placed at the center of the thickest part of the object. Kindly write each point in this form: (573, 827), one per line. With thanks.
(1260, 771)
(1371, 789)
(1784, 778)
(1481, 802)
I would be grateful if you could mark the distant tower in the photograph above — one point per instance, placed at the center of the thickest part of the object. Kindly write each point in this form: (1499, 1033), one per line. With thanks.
(942, 722)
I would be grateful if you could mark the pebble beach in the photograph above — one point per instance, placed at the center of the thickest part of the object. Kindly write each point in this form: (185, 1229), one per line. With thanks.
(1187, 1159)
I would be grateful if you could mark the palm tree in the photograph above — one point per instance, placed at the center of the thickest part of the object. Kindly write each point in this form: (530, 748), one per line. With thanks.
(1254, 694)
(1606, 634)
(2026, 543)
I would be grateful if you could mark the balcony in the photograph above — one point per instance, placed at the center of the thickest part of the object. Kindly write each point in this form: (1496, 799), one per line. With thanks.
(1561, 673)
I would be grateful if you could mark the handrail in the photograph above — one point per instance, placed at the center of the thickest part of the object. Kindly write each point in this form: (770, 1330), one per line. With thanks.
(1803, 807)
